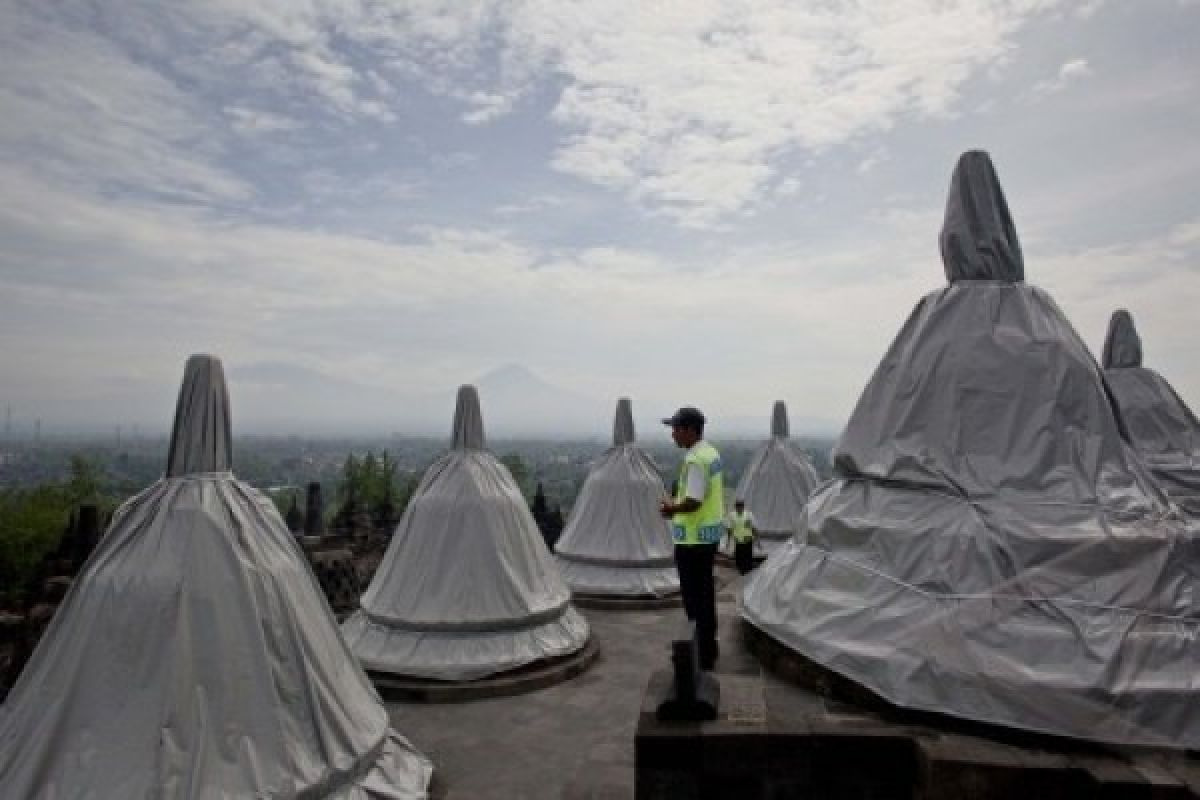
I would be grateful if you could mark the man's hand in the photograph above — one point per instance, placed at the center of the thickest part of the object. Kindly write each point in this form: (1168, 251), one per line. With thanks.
(685, 506)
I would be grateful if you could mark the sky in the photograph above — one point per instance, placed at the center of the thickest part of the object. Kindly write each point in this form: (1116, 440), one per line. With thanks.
(360, 204)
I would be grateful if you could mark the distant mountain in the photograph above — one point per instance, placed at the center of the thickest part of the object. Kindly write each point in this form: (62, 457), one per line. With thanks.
(516, 402)
(277, 397)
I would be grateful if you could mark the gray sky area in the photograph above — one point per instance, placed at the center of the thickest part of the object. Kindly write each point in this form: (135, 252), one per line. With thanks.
(361, 204)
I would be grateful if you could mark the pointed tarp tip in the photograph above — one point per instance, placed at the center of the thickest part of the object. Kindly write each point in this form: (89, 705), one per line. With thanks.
(623, 432)
(978, 239)
(201, 440)
(468, 420)
(1122, 345)
(779, 420)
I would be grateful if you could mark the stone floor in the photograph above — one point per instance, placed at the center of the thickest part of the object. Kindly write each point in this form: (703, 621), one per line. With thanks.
(573, 741)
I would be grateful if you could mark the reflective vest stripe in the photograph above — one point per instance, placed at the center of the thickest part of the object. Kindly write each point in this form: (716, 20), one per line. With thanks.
(706, 524)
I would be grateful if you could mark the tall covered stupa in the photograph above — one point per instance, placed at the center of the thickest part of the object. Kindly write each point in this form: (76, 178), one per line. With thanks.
(194, 655)
(990, 546)
(616, 544)
(776, 485)
(467, 587)
(1158, 423)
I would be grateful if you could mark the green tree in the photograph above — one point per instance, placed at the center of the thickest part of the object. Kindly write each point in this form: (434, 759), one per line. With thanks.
(83, 485)
(31, 524)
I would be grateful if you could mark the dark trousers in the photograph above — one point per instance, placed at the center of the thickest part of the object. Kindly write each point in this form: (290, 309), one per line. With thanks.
(743, 556)
(695, 565)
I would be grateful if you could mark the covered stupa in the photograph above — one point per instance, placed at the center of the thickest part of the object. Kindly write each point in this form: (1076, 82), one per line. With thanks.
(616, 544)
(467, 587)
(1158, 423)
(775, 486)
(990, 546)
(194, 656)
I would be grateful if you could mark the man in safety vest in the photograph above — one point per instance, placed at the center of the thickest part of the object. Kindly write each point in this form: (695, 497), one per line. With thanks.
(741, 527)
(697, 514)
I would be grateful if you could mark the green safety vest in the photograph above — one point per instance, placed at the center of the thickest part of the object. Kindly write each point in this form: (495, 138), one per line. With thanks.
(741, 526)
(705, 524)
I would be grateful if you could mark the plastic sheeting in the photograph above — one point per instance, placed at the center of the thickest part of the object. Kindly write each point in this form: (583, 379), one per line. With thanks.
(467, 587)
(775, 486)
(990, 546)
(1160, 425)
(195, 657)
(615, 542)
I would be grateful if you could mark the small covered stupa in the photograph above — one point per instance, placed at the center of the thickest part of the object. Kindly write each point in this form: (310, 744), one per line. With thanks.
(616, 544)
(194, 656)
(1158, 423)
(467, 587)
(776, 485)
(990, 546)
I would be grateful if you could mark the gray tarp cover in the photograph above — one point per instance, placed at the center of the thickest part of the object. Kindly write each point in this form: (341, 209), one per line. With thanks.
(467, 587)
(194, 656)
(616, 542)
(1160, 425)
(776, 485)
(990, 546)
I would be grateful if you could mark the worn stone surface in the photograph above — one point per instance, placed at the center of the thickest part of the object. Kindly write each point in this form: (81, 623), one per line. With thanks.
(399, 688)
(614, 603)
(572, 741)
(793, 730)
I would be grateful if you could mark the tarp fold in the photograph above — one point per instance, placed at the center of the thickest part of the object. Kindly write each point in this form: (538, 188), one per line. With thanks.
(990, 546)
(615, 542)
(1161, 427)
(194, 656)
(467, 587)
(775, 486)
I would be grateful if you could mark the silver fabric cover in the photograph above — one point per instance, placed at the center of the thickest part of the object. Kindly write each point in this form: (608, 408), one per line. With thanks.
(775, 486)
(615, 542)
(1159, 424)
(990, 546)
(467, 587)
(195, 657)
(201, 437)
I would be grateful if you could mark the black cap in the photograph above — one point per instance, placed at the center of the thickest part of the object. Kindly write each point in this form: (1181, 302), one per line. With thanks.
(686, 417)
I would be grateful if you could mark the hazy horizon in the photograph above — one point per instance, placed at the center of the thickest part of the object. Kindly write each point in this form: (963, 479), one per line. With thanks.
(503, 391)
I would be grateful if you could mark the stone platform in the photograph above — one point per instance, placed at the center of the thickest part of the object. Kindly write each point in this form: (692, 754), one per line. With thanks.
(543, 674)
(617, 603)
(775, 738)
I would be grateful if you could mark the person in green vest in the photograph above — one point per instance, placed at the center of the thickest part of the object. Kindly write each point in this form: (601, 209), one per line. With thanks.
(741, 527)
(697, 514)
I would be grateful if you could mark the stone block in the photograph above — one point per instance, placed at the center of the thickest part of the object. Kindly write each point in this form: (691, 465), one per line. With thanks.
(55, 589)
(654, 784)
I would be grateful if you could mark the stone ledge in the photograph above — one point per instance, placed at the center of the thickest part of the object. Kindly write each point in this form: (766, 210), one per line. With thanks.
(600, 602)
(402, 688)
(817, 720)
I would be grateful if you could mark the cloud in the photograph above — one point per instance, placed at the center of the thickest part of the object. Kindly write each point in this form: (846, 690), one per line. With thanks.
(254, 122)
(420, 191)
(872, 161)
(434, 306)
(1069, 73)
(1157, 278)
(75, 106)
(687, 109)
